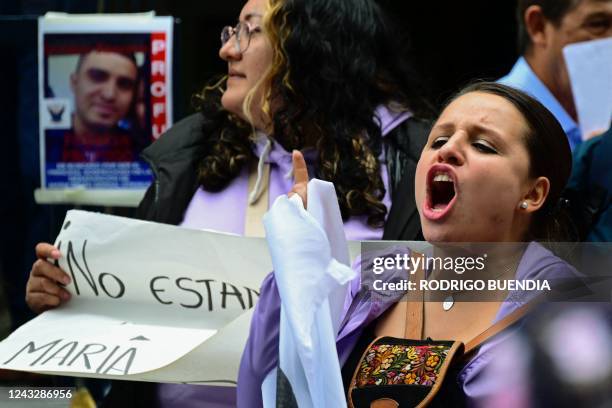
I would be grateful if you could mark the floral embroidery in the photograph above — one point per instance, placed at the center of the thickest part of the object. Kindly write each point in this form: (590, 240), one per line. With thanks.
(386, 364)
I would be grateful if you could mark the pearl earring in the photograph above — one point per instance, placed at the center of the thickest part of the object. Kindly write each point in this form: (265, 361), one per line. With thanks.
(524, 205)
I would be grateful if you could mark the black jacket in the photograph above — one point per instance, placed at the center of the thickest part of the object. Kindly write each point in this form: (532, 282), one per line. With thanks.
(174, 160)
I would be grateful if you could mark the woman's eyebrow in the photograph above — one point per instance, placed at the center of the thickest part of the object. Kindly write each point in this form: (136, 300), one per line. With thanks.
(251, 15)
(443, 127)
(447, 127)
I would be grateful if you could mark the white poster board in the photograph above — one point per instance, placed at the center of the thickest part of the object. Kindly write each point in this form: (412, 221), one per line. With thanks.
(589, 65)
(105, 93)
(149, 302)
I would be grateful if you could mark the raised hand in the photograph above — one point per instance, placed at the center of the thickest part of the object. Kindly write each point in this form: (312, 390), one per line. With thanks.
(300, 176)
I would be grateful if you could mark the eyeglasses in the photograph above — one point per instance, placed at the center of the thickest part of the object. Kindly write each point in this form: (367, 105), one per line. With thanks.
(243, 32)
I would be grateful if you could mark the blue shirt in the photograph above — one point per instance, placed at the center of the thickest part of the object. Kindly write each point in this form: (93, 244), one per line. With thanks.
(523, 78)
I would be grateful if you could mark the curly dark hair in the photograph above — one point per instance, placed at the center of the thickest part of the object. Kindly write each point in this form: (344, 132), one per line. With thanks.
(334, 62)
(226, 145)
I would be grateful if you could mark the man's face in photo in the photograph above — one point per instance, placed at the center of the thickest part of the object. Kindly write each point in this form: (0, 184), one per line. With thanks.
(104, 88)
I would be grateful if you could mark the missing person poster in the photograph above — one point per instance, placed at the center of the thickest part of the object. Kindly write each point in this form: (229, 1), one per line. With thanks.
(105, 93)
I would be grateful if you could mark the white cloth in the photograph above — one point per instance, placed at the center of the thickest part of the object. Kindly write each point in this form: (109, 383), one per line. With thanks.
(312, 279)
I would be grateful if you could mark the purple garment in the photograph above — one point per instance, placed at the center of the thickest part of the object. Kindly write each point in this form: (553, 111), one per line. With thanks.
(261, 353)
(203, 213)
(205, 206)
(537, 263)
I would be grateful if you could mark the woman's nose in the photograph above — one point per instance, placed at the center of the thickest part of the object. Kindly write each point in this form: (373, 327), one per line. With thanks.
(229, 51)
(451, 152)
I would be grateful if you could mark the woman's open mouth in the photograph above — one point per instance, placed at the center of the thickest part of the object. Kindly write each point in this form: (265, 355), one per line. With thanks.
(441, 192)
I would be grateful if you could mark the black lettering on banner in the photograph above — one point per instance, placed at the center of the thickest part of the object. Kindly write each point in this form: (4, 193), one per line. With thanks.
(87, 274)
(154, 291)
(250, 295)
(71, 258)
(235, 292)
(210, 301)
(130, 354)
(120, 285)
(123, 363)
(195, 292)
(73, 345)
(59, 248)
(84, 354)
(32, 349)
(106, 359)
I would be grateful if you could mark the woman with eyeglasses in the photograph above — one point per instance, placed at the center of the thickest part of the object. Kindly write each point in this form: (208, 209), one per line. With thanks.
(325, 77)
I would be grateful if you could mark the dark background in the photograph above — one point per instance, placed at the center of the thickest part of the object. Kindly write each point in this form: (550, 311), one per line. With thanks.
(452, 42)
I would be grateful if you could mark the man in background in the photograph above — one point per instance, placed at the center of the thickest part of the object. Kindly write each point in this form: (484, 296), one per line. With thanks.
(545, 27)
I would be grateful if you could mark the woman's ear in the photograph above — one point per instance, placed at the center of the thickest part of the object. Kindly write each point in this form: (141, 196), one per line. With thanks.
(536, 196)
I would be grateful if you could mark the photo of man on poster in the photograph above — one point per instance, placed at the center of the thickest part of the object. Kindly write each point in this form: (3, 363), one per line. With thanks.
(97, 94)
(104, 85)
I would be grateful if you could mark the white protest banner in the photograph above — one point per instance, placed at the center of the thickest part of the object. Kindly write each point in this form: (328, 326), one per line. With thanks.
(149, 302)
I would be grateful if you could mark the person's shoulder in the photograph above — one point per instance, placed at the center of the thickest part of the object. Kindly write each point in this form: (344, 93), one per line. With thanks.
(587, 147)
(411, 136)
(518, 75)
(182, 135)
(539, 262)
(184, 130)
(583, 156)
